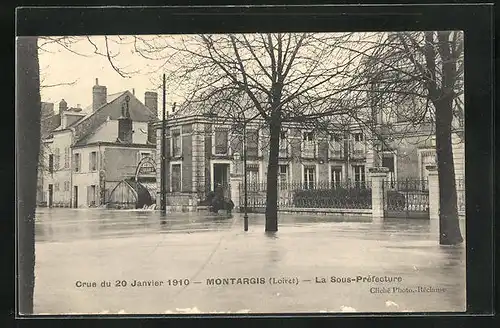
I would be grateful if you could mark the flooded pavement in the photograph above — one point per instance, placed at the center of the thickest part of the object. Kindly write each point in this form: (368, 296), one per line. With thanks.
(202, 263)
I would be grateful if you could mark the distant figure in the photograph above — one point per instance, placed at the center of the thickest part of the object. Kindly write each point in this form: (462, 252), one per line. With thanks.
(217, 200)
(228, 206)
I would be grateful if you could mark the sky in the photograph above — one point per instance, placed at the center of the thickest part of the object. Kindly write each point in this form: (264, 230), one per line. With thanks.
(74, 61)
(81, 67)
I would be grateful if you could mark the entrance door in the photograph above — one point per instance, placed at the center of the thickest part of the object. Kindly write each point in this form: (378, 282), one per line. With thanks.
(221, 174)
(91, 193)
(51, 195)
(75, 195)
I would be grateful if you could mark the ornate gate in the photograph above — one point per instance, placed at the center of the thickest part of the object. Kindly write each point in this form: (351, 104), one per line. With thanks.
(408, 198)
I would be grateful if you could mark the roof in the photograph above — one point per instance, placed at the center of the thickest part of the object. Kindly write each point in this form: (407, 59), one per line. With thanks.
(86, 127)
(116, 144)
(49, 124)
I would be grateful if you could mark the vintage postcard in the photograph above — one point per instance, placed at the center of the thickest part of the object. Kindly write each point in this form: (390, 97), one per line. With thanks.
(245, 173)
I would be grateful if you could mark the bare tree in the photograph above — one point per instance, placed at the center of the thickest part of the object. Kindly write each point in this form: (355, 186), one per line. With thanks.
(328, 81)
(418, 77)
(28, 158)
(287, 77)
(27, 151)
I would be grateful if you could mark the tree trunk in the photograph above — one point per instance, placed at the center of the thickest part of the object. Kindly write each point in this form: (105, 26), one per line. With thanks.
(272, 172)
(27, 153)
(346, 154)
(449, 228)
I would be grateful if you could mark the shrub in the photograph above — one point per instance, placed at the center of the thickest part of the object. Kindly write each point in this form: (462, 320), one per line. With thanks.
(358, 198)
(395, 200)
(333, 198)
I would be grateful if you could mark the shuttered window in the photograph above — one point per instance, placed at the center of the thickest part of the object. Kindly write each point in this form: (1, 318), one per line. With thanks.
(253, 143)
(77, 162)
(176, 178)
(221, 142)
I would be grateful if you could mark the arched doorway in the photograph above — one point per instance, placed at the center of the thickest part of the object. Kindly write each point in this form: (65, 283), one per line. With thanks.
(129, 194)
(145, 175)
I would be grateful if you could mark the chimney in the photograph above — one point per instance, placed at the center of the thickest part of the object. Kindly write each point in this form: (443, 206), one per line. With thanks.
(99, 95)
(63, 106)
(47, 109)
(125, 123)
(151, 102)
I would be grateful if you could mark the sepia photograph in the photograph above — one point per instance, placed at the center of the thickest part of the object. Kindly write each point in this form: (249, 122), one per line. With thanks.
(246, 173)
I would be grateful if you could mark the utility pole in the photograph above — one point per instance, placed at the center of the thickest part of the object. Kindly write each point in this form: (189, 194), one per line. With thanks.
(163, 198)
(245, 216)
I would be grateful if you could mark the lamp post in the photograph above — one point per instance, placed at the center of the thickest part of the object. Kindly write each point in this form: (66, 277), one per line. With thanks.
(163, 200)
(245, 215)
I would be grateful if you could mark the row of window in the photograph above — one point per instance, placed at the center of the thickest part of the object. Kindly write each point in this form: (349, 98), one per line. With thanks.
(65, 187)
(335, 137)
(309, 178)
(92, 195)
(77, 160)
(335, 175)
(221, 140)
(55, 159)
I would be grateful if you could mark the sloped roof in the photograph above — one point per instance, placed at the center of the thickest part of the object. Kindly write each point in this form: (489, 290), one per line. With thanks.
(88, 125)
(49, 124)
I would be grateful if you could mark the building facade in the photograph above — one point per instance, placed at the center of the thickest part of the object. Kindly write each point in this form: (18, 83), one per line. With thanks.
(92, 150)
(202, 152)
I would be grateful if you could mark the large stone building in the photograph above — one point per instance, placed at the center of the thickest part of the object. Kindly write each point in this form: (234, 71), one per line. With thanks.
(202, 152)
(86, 153)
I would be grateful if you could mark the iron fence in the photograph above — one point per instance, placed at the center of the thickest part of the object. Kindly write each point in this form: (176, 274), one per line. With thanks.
(406, 195)
(460, 185)
(346, 195)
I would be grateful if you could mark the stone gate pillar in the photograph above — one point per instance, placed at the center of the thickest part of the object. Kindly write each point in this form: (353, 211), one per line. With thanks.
(433, 192)
(378, 176)
(235, 180)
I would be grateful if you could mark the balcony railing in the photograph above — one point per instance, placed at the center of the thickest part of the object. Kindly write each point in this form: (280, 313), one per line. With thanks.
(335, 151)
(308, 149)
(283, 152)
(358, 150)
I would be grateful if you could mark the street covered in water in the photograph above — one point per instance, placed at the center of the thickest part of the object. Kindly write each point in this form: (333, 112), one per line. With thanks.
(136, 262)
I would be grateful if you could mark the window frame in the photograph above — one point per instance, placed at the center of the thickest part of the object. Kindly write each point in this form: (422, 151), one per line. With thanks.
(361, 173)
(175, 133)
(214, 141)
(78, 162)
(358, 134)
(93, 161)
(257, 144)
(306, 176)
(333, 170)
(171, 184)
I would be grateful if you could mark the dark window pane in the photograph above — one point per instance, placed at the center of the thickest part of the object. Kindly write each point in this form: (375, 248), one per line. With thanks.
(176, 177)
(221, 142)
(388, 161)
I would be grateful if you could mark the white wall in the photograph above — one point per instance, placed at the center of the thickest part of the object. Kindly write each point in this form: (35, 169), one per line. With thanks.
(140, 135)
(61, 174)
(107, 132)
(85, 177)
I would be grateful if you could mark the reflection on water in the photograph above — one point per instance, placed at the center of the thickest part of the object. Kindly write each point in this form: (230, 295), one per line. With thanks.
(120, 244)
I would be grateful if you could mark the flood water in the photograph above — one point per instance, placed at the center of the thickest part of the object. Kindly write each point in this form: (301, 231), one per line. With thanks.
(78, 252)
